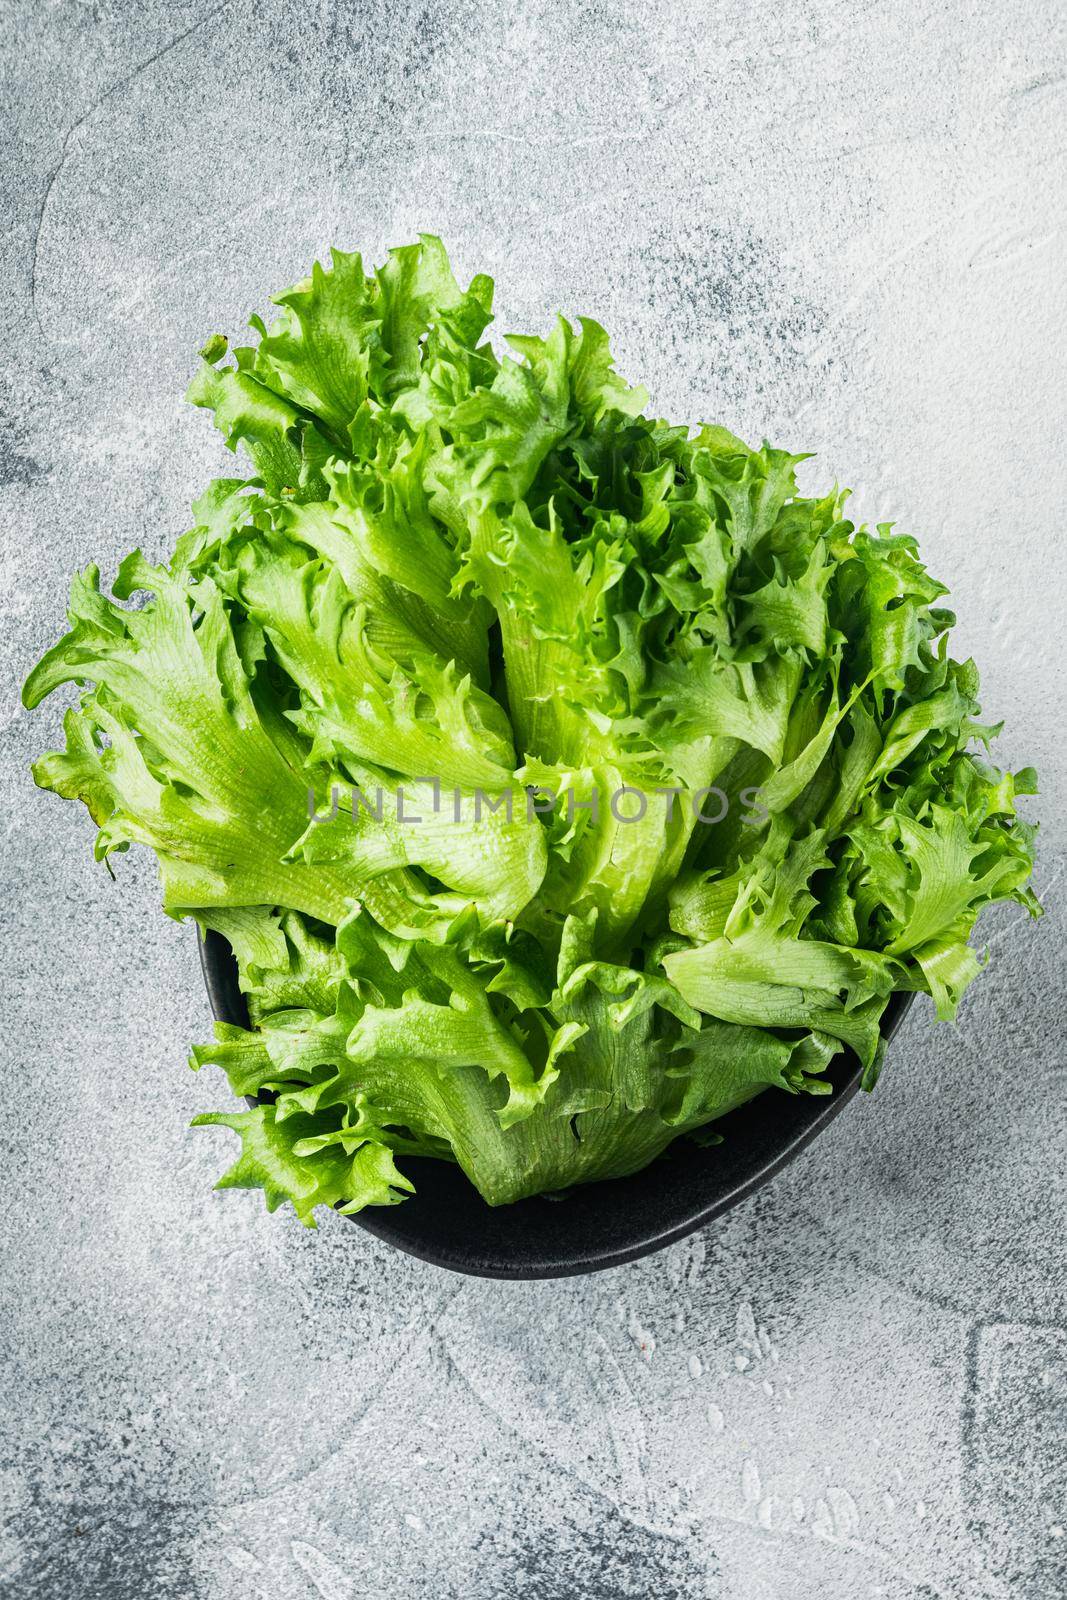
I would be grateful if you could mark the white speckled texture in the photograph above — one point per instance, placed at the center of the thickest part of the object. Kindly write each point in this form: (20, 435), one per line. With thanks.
(837, 224)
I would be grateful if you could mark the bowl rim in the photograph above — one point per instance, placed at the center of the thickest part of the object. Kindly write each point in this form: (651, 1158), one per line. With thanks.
(392, 1226)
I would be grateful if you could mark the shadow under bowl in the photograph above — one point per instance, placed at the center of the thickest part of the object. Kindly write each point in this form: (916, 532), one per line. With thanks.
(596, 1225)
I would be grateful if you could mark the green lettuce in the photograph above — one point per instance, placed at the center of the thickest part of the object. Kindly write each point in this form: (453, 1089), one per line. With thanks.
(560, 778)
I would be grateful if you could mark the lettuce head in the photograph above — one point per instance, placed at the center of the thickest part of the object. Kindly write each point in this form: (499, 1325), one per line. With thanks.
(560, 777)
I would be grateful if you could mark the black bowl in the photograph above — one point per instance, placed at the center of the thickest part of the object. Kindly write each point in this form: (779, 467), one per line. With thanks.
(598, 1224)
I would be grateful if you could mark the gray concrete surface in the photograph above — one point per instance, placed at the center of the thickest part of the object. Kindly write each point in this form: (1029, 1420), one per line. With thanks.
(837, 224)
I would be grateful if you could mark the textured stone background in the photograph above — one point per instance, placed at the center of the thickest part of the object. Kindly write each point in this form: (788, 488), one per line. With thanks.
(839, 224)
